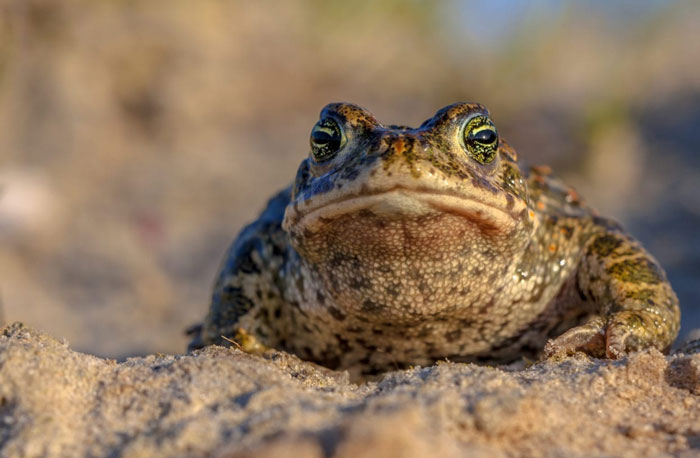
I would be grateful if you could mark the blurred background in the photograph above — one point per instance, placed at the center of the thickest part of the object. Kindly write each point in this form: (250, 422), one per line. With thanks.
(136, 138)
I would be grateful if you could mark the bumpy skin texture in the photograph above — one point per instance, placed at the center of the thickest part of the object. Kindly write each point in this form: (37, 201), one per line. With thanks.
(403, 248)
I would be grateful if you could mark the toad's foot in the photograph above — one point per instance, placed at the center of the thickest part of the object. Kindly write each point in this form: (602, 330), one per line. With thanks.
(248, 343)
(588, 338)
(625, 332)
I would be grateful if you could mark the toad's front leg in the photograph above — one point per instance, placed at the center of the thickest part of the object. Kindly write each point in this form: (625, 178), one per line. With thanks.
(635, 303)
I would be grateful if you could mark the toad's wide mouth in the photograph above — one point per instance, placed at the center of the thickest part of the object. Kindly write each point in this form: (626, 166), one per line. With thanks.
(400, 203)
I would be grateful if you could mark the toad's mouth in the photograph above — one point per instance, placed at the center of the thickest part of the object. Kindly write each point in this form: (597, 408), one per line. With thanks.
(400, 203)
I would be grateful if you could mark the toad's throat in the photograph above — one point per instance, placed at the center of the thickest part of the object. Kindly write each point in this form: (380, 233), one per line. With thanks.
(400, 203)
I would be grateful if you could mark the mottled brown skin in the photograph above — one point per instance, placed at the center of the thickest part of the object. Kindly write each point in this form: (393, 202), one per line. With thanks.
(404, 247)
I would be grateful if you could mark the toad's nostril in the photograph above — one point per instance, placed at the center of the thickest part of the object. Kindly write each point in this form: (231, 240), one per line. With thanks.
(402, 145)
(399, 145)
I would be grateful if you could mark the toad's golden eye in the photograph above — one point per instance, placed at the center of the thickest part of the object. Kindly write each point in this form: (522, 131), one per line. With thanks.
(480, 139)
(327, 139)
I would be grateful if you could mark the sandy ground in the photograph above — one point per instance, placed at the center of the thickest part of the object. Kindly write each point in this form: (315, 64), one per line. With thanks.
(222, 402)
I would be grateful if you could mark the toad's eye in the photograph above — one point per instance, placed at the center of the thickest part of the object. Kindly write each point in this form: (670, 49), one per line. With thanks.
(481, 139)
(326, 139)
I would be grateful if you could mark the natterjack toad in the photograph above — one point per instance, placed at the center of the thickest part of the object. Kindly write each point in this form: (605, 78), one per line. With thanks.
(398, 246)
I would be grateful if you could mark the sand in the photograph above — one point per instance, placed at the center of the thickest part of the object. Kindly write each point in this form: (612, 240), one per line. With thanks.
(223, 402)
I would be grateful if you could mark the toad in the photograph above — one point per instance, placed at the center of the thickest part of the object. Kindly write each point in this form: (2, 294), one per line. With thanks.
(399, 246)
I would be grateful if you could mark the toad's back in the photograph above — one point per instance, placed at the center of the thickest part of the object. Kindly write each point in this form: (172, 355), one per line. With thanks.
(399, 246)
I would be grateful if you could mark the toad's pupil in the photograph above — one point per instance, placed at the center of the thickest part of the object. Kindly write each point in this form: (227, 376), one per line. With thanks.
(323, 138)
(486, 136)
(325, 143)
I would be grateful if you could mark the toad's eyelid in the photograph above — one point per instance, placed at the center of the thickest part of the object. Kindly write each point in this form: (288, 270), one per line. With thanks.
(324, 129)
(472, 116)
(485, 126)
